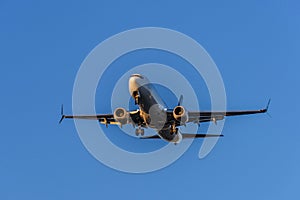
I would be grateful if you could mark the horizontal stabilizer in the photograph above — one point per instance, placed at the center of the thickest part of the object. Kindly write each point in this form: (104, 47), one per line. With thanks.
(199, 135)
(151, 137)
(185, 135)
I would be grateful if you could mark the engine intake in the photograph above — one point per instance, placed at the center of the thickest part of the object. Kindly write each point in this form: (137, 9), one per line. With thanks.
(121, 116)
(180, 114)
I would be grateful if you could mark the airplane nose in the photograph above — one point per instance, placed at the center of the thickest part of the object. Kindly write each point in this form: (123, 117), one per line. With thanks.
(137, 75)
(135, 81)
(133, 84)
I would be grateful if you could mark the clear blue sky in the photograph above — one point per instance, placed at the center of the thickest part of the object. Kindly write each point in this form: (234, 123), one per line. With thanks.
(256, 47)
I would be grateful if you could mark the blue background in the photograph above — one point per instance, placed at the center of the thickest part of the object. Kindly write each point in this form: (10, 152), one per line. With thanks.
(255, 45)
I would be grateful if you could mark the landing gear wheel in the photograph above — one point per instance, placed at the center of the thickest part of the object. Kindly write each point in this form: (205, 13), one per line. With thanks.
(137, 132)
(142, 132)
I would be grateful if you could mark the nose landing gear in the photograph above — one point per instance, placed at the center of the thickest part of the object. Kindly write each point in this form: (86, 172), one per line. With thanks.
(136, 97)
(173, 129)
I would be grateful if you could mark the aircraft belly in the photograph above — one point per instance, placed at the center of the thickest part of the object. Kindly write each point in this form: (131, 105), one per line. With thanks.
(148, 98)
(153, 111)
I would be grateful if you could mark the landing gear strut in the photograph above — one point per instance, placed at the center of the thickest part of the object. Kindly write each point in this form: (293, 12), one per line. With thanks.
(173, 129)
(136, 97)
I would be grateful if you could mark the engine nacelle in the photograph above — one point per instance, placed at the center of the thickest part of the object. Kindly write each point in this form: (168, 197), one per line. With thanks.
(180, 114)
(121, 116)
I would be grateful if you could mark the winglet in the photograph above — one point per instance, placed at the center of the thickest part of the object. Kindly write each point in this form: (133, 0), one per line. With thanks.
(267, 107)
(62, 114)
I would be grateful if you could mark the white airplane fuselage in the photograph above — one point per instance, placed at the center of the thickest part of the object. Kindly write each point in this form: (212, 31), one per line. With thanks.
(152, 108)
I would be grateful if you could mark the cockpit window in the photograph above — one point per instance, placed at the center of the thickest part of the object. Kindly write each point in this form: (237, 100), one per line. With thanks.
(137, 75)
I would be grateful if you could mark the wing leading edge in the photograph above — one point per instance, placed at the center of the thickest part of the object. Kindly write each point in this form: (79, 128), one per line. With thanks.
(102, 118)
(105, 118)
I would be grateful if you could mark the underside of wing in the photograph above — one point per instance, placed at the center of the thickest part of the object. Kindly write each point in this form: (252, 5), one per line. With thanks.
(123, 117)
(205, 116)
(102, 118)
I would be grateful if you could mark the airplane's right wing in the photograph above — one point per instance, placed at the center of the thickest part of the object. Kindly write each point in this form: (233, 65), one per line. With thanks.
(133, 118)
(102, 118)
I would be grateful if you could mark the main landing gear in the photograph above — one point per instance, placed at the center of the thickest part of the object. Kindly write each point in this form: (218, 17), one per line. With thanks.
(139, 131)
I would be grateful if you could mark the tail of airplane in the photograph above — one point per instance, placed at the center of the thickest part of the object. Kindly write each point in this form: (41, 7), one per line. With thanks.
(180, 100)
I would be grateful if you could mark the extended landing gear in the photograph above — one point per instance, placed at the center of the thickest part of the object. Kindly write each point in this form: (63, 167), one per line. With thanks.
(136, 97)
(139, 131)
(173, 129)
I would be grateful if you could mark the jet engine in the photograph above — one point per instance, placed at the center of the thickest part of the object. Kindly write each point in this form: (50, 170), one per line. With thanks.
(121, 116)
(180, 114)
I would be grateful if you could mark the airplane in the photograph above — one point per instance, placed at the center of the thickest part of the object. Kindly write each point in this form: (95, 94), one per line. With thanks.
(153, 113)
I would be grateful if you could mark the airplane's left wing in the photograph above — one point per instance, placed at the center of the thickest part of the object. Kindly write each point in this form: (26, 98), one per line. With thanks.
(205, 116)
